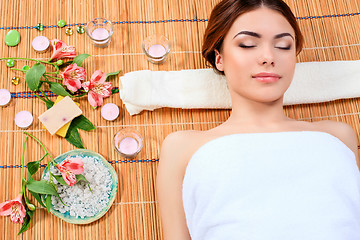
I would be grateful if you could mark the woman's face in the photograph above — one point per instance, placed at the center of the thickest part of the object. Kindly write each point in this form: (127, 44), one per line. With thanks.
(258, 56)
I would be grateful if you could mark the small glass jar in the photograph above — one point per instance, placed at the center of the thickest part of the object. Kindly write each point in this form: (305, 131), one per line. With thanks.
(99, 30)
(156, 48)
(128, 142)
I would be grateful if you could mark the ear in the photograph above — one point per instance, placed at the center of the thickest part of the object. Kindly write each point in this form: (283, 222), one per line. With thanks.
(219, 60)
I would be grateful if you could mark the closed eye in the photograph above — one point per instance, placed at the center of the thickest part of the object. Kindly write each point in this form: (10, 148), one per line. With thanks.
(246, 46)
(284, 48)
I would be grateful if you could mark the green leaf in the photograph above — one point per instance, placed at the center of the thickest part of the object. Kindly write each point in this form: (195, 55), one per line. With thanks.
(114, 90)
(73, 137)
(60, 179)
(112, 73)
(33, 76)
(37, 197)
(81, 122)
(28, 203)
(49, 104)
(33, 167)
(42, 187)
(58, 89)
(80, 58)
(27, 220)
(34, 194)
(81, 177)
(48, 203)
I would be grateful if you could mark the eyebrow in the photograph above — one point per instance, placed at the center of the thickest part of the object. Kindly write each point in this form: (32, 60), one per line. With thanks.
(254, 34)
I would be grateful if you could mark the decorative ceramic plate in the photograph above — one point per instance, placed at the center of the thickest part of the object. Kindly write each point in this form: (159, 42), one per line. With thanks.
(82, 153)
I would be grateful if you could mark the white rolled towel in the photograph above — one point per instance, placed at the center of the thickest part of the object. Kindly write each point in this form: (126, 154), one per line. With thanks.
(202, 88)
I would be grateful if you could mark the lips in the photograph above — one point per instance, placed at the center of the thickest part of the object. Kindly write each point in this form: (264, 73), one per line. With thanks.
(267, 77)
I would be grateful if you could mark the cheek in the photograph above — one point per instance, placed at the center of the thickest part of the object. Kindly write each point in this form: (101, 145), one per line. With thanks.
(236, 63)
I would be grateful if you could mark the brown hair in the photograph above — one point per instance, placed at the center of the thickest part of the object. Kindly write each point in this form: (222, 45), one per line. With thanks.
(227, 11)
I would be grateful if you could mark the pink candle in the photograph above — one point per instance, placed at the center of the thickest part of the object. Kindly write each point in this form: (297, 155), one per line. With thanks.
(128, 146)
(157, 50)
(110, 111)
(5, 97)
(23, 119)
(100, 34)
(40, 43)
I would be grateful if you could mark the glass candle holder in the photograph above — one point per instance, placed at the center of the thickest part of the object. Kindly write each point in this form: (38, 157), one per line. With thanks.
(128, 142)
(99, 30)
(156, 48)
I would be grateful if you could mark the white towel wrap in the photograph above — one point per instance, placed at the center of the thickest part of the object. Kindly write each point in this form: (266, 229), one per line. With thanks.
(273, 186)
(202, 88)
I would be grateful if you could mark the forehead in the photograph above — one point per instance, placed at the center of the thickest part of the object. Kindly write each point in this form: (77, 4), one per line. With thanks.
(263, 20)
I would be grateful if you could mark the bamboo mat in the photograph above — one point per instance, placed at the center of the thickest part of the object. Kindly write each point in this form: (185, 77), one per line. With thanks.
(330, 29)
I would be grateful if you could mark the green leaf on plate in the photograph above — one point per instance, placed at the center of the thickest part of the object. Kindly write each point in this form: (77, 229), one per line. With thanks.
(81, 177)
(60, 179)
(33, 76)
(58, 89)
(80, 58)
(33, 167)
(27, 220)
(73, 136)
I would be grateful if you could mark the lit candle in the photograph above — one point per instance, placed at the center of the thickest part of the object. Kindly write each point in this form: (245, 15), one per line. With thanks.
(40, 43)
(157, 51)
(5, 97)
(100, 34)
(23, 119)
(110, 111)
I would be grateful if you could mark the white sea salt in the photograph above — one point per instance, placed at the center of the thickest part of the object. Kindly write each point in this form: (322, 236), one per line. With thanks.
(80, 201)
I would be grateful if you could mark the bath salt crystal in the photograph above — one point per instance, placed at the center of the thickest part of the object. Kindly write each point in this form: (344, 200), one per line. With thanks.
(80, 201)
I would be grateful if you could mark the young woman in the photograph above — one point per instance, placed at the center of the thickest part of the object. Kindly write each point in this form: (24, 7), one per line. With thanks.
(260, 174)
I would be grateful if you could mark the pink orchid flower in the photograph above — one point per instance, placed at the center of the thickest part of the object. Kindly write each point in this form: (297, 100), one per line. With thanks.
(69, 168)
(97, 88)
(73, 75)
(14, 208)
(62, 50)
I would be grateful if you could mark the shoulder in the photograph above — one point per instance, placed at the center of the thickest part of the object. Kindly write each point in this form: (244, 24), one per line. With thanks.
(177, 148)
(342, 131)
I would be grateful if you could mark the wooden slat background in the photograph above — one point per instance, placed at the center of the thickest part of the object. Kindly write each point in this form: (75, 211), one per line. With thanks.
(134, 214)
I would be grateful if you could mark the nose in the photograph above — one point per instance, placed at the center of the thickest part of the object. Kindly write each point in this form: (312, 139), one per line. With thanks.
(267, 56)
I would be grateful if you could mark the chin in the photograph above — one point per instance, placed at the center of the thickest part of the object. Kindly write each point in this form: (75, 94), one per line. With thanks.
(269, 96)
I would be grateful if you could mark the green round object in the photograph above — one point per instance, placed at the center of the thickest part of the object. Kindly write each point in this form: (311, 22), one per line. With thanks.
(10, 63)
(80, 29)
(69, 31)
(39, 27)
(25, 67)
(12, 38)
(61, 23)
(60, 62)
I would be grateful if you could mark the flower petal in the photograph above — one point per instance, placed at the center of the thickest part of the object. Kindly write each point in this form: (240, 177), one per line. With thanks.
(86, 86)
(98, 77)
(5, 208)
(75, 165)
(94, 99)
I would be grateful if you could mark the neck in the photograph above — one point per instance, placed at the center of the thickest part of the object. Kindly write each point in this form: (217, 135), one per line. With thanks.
(255, 114)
